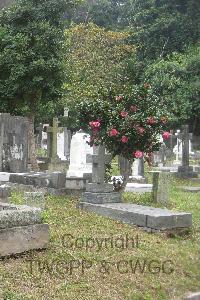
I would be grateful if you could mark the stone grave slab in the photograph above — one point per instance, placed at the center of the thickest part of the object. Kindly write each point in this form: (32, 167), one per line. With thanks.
(98, 191)
(52, 180)
(21, 229)
(138, 187)
(191, 189)
(144, 216)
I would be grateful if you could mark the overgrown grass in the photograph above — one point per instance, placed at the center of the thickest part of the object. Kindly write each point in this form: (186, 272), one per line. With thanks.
(107, 273)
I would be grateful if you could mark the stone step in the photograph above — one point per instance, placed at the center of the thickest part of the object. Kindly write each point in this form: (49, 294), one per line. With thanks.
(144, 216)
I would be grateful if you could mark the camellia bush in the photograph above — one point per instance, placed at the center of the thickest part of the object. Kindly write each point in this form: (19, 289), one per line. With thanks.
(128, 125)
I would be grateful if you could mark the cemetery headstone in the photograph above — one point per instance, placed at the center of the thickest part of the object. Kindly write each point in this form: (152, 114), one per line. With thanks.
(55, 163)
(78, 152)
(13, 143)
(161, 184)
(98, 191)
(138, 171)
(1, 146)
(185, 171)
(67, 142)
(39, 135)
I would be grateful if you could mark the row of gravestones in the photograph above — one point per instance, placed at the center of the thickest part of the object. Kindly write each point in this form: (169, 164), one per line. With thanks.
(14, 149)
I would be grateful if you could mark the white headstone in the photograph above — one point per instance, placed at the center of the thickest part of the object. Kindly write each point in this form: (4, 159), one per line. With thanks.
(61, 146)
(78, 152)
(135, 168)
(44, 137)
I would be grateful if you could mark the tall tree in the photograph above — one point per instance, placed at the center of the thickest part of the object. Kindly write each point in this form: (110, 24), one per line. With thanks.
(96, 62)
(31, 57)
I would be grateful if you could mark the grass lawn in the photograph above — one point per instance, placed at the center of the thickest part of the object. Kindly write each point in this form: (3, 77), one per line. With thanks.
(80, 263)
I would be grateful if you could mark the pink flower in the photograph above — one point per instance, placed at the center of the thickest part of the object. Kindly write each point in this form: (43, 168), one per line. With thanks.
(133, 108)
(138, 154)
(140, 130)
(119, 98)
(151, 120)
(123, 114)
(124, 139)
(95, 124)
(166, 135)
(113, 132)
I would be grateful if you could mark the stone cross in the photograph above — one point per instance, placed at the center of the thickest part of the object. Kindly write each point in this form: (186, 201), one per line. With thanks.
(99, 159)
(54, 130)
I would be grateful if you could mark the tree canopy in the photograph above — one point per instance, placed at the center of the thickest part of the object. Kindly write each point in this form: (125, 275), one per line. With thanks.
(96, 63)
(31, 56)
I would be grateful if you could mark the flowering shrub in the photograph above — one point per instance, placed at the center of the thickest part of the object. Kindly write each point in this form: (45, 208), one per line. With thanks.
(128, 125)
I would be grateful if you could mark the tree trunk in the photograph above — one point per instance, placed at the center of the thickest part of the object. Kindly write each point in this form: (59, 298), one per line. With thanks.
(32, 148)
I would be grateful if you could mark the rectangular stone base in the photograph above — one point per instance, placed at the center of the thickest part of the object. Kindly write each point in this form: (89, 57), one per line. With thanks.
(76, 183)
(186, 172)
(99, 187)
(144, 216)
(20, 239)
(98, 198)
(61, 166)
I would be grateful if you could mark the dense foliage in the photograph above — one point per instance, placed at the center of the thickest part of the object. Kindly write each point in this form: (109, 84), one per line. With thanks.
(177, 78)
(31, 56)
(96, 62)
(163, 32)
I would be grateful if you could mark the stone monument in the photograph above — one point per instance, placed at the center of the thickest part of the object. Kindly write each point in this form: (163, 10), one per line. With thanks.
(54, 162)
(13, 143)
(161, 184)
(98, 191)
(78, 152)
(185, 170)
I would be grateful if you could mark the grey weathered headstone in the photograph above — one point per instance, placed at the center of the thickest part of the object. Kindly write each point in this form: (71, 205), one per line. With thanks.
(99, 159)
(39, 135)
(124, 166)
(185, 171)
(1, 145)
(98, 191)
(161, 184)
(13, 143)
